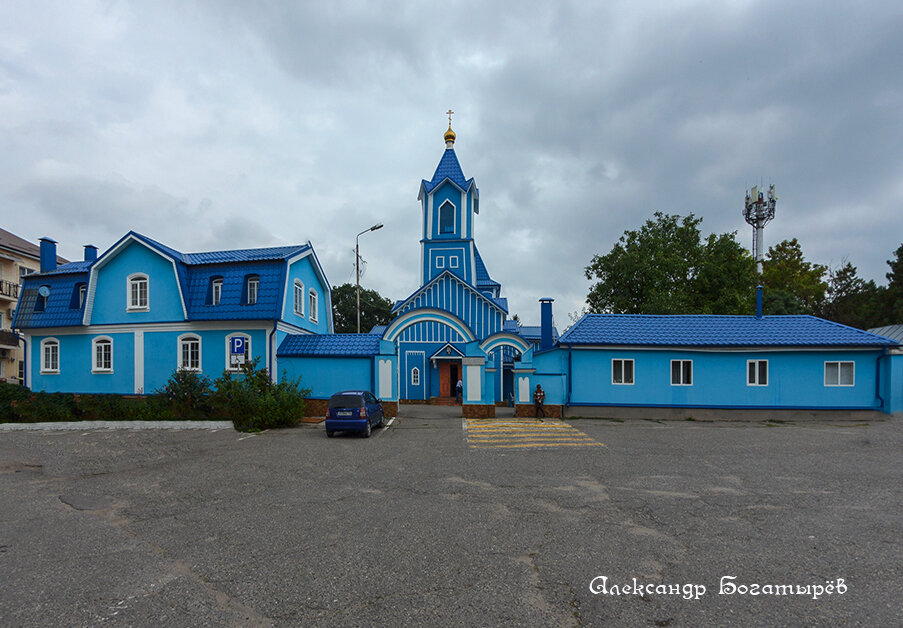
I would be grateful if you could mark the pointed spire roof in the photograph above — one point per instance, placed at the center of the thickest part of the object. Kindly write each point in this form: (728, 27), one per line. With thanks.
(450, 169)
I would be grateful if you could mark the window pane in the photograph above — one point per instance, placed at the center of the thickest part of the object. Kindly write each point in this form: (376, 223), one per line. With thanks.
(751, 373)
(617, 371)
(831, 373)
(688, 372)
(628, 371)
(763, 372)
(846, 373)
(675, 371)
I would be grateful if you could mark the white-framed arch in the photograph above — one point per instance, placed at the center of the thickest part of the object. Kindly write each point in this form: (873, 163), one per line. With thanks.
(501, 339)
(427, 315)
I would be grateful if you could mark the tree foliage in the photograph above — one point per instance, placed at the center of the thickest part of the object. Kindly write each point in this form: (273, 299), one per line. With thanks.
(665, 267)
(375, 309)
(793, 285)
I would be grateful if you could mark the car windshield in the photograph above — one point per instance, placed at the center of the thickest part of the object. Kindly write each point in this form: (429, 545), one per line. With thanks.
(346, 401)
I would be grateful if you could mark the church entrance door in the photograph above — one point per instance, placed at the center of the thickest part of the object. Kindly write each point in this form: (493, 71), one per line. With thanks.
(448, 377)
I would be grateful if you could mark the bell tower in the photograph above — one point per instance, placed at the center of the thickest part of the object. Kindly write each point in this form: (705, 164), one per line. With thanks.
(448, 203)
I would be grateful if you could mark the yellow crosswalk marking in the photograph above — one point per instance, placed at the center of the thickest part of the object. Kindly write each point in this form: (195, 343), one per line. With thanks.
(524, 434)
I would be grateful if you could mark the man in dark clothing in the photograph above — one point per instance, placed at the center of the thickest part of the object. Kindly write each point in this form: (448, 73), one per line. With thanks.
(459, 391)
(539, 396)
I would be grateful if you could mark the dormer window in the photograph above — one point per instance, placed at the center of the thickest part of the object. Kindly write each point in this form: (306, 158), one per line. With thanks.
(41, 303)
(82, 290)
(78, 296)
(253, 283)
(447, 218)
(138, 292)
(216, 290)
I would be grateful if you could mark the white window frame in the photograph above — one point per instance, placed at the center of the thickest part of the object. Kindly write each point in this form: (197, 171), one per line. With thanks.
(135, 278)
(185, 339)
(82, 291)
(216, 291)
(440, 261)
(838, 368)
(415, 376)
(671, 373)
(756, 379)
(623, 361)
(100, 368)
(313, 305)
(248, 353)
(439, 217)
(46, 343)
(253, 281)
(299, 297)
(452, 261)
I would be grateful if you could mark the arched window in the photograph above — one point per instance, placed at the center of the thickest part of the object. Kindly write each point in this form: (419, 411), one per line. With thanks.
(415, 376)
(216, 290)
(138, 297)
(446, 218)
(50, 356)
(102, 355)
(190, 352)
(251, 286)
(312, 310)
(233, 363)
(299, 297)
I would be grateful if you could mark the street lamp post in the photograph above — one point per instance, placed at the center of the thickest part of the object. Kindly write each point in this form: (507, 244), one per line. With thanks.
(357, 269)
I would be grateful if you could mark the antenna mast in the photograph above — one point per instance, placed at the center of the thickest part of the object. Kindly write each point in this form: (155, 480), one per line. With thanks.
(758, 211)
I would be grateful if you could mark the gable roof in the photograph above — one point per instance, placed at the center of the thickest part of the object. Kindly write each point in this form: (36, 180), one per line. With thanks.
(13, 243)
(449, 169)
(501, 304)
(331, 345)
(894, 332)
(705, 330)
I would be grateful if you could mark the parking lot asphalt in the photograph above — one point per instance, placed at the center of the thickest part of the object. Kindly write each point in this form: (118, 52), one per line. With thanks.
(415, 527)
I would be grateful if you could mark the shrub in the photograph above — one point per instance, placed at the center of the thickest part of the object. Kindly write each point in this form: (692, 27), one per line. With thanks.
(187, 393)
(41, 407)
(253, 402)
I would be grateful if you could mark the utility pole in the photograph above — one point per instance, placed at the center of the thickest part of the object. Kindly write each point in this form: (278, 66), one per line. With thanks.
(758, 211)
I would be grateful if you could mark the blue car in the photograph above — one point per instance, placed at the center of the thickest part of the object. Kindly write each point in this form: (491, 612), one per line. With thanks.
(353, 411)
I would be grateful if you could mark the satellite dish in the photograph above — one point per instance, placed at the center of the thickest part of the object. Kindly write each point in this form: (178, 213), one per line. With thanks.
(44, 291)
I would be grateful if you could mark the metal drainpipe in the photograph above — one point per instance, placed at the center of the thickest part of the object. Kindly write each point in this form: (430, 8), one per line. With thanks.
(273, 377)
(568, 400)
(878, 377)
(24, 362)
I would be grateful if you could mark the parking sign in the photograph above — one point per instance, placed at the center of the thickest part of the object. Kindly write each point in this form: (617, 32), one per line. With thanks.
(237, 350)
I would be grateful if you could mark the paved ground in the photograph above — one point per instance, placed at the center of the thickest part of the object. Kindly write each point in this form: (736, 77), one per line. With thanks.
(413, 527)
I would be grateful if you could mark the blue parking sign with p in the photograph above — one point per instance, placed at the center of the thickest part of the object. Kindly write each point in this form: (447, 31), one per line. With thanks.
(238, 345)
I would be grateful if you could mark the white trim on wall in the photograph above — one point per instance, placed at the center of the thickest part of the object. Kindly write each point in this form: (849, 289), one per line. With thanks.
(94, 342)
(139, 362)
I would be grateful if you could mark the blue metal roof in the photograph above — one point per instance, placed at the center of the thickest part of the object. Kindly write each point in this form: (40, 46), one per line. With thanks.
(716, 331)
(450, 169)
(219, 257)
(71, 267)
(533, 333)
(332, 345)
(233, 299)
(59, 310)
(483, 278)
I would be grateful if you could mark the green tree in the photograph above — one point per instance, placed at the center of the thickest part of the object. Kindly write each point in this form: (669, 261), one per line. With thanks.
(852, 300)
(793, 285)
(666, 268)
(893, 297)
(375, 309)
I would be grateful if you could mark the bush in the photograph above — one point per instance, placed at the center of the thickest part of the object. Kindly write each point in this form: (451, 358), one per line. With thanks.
(253, 402)
(187, 393)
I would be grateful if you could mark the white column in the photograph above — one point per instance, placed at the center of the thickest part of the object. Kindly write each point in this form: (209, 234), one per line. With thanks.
(139, 362)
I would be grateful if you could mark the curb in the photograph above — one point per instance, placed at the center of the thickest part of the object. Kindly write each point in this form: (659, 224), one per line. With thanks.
(115, 425)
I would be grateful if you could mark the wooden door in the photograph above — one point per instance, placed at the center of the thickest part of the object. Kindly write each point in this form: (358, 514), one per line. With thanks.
(444, 380)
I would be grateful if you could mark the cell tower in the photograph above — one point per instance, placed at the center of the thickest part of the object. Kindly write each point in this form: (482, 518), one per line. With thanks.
(759, 211)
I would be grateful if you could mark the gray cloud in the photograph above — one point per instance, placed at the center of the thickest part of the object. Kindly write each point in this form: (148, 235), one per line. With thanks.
(232, 124)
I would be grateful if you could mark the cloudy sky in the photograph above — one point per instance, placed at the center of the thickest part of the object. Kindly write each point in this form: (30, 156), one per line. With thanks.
(220, 124)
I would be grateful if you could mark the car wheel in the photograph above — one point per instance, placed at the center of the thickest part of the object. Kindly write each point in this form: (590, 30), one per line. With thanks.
(368, 430)
(330, 433)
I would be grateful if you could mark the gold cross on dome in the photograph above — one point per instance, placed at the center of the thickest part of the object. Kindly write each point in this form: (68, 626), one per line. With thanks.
(450, 113)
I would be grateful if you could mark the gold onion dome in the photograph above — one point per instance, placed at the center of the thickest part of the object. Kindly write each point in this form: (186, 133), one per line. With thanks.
(449, 136)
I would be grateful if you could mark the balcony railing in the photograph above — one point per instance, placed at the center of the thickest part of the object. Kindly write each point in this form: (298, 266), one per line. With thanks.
(8, 339)
(9, 289)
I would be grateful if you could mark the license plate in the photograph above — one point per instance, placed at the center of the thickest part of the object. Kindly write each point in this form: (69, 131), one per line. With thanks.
(345, 413)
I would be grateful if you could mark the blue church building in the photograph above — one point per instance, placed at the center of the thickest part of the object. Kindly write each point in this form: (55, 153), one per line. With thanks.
(125, 320)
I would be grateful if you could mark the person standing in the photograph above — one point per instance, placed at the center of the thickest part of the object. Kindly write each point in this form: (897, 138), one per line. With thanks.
(459, 391)
(539, 396)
